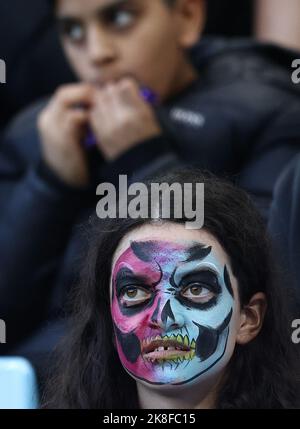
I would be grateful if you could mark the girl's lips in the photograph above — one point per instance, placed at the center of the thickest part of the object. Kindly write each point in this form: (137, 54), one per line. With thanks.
(168, 348)
(167, 354)
(166, 345)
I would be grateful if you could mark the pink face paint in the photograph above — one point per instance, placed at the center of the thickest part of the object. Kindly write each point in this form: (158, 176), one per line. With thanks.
(171, 307)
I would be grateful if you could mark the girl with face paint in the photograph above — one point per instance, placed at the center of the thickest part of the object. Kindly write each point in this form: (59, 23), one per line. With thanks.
(172, 305)
(167, 317)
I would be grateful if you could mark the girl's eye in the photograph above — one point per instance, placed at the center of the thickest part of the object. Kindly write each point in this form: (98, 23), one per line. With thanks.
(134, 296)
(198, 293)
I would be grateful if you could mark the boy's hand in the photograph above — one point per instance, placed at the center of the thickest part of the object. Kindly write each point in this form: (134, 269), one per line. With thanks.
(120, 118)
(62, 127)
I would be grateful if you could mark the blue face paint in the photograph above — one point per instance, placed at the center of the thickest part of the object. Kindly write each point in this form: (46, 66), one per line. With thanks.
(172, 306)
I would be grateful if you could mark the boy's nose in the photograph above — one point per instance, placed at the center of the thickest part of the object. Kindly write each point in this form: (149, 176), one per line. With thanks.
(101, 48)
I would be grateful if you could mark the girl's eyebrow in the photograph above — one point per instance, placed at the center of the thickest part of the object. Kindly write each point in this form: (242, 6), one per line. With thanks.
(193, 267)
(126, 275)
(195, 254)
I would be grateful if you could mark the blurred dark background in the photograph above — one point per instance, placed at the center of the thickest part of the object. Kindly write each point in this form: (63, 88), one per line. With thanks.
(35, 62)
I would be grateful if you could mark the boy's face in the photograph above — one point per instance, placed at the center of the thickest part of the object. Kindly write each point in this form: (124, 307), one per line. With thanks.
(106, 40)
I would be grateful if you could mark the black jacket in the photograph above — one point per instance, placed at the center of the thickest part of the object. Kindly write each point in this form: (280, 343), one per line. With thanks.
(284, 225)
(241, 118)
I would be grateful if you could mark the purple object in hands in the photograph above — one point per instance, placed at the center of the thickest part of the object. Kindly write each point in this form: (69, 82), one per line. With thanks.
(148, 95)
(90, 140)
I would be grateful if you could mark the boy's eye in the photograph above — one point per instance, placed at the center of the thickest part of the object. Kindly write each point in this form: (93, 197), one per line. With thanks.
(119, 19)
(73, 31)
(133, 295)
(76, 33)
(123, 19)
(198, 293)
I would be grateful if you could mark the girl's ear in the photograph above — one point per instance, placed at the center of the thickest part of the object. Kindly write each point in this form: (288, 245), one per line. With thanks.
(252, 318)
(191, 21)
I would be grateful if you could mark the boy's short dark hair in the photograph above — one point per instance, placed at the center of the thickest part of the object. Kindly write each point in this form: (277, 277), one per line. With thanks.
(168, 2)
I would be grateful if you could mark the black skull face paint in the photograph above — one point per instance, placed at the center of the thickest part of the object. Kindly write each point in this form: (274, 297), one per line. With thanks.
(172, 304)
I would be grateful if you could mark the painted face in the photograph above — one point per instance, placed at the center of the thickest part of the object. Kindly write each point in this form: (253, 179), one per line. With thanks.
(171, 305)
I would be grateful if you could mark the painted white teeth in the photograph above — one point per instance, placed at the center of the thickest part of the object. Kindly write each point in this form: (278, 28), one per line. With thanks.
(186, 341)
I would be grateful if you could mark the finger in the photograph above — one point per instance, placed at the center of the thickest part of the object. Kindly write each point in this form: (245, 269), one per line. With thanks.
(113, 99)
(74, 95)
(122, 93)
(74, 122)
(116, 101)
(79, 116)
(103, 108)
(129, 92)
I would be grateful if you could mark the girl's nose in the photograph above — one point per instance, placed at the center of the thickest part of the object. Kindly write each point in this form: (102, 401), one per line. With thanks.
(168, 320)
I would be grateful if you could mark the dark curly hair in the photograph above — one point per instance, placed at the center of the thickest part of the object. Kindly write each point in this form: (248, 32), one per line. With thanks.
(262, 374)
